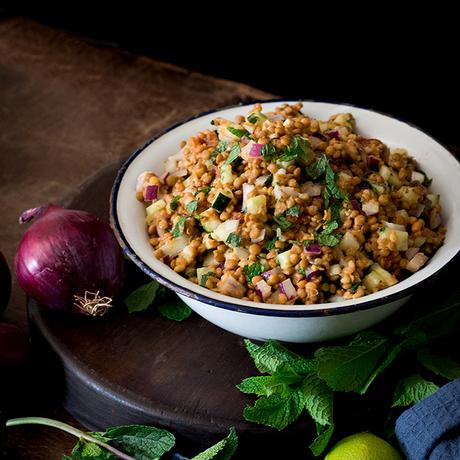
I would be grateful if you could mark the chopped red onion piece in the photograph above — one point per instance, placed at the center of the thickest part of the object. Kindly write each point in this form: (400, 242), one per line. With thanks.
(260, 238)
(391, 226)
(247, 189)
(371, 207)
(314, 142)
(311, 188)
(273, 271)
(141, 179)
(263, 290)
(313, 249)
(410, 253)
(417, 262)
(373, 162)
(180, 173)
(313, 274)
(333, 134)
(287, 288)
(355, 205)
(256, 150)
(435, 220)
(151, 192)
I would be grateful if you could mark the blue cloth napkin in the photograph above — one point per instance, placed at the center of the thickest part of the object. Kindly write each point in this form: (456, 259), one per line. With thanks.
(430, 430)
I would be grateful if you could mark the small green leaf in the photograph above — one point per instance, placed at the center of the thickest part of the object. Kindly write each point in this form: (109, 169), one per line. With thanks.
(320, 443)
(318, 399)
(261, 385)
(234, 240)
(328, 240)
(252, 118)
(255, 269)
(141, 441)
(277, 410)
(299, 149)
(235, 152)
(174, 309)
(179, 227)
(85, 450)
(223, 450)
(205, 190)
(141, 298)
(239, 132)
(192, 206)
(270, 244)
(282, 222)
(347, 368)
(269, 152)
(174, 204)
(440, 365)
(204, 278)
(412, 390)
(293, 211)
(318, 168)
(220, 148)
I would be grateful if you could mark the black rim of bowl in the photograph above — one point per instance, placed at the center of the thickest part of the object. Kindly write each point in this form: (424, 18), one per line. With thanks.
(291, 312)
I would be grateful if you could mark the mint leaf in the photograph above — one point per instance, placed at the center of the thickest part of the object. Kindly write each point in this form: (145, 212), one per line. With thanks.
(412, 390)
(318, 168)
(408, 343)
(220, 148)
(192, 206)
(270, 244)
(269, 152)
(239, 132)
(326, 239)
(261, 385)
(204, 278)
(318, 399)
(223, 450)
(282, 222)
(440, 365)
(271, 355)
(141, 298)
(320, 443)
(347, 368)
(174, 204)
(299, 149)
(252, 118)
(277, 410)
(235, 152)
(179, 227)
(86, 450)
(141, 441)
(252, 270)
(234, 240)
(173, 308)
(293, 211)
(205, 190)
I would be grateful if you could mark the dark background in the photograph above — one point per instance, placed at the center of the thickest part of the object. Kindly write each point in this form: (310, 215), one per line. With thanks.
(399, 62)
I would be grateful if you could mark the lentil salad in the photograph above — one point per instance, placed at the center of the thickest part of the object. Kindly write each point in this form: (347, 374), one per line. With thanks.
(281, 208)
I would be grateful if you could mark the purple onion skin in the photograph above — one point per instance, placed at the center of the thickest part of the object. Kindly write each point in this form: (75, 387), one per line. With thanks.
(65, 253)
(14, 346)
(5, 283)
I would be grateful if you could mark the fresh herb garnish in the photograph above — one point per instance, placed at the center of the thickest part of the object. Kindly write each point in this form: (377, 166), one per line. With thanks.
(204, 278)
(220, 148)
(252, 118)
(355, 287)
(270, 244)
(192, 206)
(412, 390)
(252, 270)
(239, 132)
(205, 190)
(235, 152)
(301, 271)
(299, 149)
(426, 180)
(179, 227)
(296, 242)
(282, 222)
(293, 211)
(326, 237)
(174, 204)
(173, 308)
(318, 168)
(141, 298)
(269, 152)
(328, 240)
(234, 239)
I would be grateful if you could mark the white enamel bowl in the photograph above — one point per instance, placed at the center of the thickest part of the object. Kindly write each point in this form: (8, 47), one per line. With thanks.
(299, 323)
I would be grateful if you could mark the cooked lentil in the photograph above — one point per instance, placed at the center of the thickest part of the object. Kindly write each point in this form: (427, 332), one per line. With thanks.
(282, 208)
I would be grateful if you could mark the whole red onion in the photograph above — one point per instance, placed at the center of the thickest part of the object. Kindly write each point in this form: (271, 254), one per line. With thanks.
(69, 260)
(5, 284)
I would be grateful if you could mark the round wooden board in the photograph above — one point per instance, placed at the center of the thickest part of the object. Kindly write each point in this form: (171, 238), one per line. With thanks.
(143, 368)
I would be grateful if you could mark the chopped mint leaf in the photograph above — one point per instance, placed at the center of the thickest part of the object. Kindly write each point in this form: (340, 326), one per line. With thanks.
(426, 180)
(320, 443)
(220, 148)
(142, 297)
(301, 271)
(239, 132)
(252, 270)
(293, 211)
(252, 118)
(179, 227)
(270, 244)
(269, 152)
(283, 223)
(235, 152)
(299, 149)
(205, 190)
(223, 450)
(347, 368)
(277, 410)
(328, 240)
(192, 206)
(412, 390)
(318, 168)
(174, 204)
(355, 286)
(234, 239)
(440, 365)
(204, 278)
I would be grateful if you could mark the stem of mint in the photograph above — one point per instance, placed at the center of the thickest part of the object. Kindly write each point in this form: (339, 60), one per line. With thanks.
(68, 429)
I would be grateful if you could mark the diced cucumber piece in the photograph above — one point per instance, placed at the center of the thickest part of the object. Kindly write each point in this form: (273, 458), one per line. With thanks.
(409, 196)
(226, 176)
(390, 176)
(256, 205)
(154, 208)
(173, 247)
(222, 199)
(378, 278)
(372, 282)
(378, 188)
(349, 243)
(209, 220)
(434, 199)
(387, 278)
(224, 229)
(283, 260)
(401, 238)
(210, 260)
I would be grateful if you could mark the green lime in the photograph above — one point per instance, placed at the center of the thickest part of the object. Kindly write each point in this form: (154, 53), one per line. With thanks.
(363, 446)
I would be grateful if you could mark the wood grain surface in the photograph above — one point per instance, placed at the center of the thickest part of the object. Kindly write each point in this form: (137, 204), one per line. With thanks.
(68, 108)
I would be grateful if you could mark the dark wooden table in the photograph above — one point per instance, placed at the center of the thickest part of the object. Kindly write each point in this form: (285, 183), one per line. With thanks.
(68, 108)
